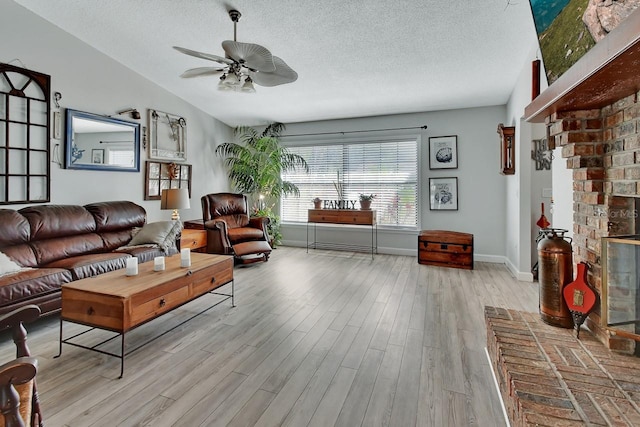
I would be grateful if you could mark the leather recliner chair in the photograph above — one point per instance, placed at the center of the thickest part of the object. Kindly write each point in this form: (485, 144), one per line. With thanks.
(230, 230)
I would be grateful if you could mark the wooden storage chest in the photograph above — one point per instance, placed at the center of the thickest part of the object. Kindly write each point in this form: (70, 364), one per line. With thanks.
(445, 249)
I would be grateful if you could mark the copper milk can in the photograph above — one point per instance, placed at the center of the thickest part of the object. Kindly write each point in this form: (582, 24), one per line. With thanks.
(555, 263)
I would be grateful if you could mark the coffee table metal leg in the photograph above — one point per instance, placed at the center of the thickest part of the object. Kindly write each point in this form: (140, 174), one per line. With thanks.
(59, 349)
(122, 357)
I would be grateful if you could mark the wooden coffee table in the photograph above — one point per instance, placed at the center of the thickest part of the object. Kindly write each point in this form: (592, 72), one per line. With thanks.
(119, 303)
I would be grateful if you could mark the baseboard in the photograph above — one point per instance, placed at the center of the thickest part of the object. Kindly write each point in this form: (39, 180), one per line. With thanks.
(493, 259)
(381, 249)
(519, 275)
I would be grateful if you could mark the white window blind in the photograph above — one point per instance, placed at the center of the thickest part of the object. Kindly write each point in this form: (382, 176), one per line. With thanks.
(387, 169)
(121, 157)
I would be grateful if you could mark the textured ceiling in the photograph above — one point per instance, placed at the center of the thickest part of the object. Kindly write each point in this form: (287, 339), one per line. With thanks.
(354, 58)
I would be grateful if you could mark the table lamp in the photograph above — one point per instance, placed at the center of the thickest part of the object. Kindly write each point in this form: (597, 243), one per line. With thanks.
(175, 198)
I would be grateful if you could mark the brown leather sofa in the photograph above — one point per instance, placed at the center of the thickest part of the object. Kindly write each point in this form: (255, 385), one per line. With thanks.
(62, 243)
(230, 230)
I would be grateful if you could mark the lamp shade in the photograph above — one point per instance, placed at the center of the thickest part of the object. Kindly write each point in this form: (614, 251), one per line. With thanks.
(175, 198)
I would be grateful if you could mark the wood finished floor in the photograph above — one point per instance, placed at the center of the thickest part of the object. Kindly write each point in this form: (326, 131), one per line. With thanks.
(320, 339)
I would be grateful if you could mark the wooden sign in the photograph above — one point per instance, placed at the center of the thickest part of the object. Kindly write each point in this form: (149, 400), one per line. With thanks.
(339, 204)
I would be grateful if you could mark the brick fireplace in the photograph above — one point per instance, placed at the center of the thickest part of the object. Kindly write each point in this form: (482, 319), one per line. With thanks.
(602, 148)
(593, 113)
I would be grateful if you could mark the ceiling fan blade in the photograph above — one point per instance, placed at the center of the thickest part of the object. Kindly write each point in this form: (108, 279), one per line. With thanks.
(201, 71)
(250, 55)
(282, 75)
(203, 55)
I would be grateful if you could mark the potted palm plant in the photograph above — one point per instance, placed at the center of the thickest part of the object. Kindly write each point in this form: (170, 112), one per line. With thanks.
(255, 167)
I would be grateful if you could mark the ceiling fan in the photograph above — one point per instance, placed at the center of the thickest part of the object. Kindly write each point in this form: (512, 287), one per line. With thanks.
(243, 64)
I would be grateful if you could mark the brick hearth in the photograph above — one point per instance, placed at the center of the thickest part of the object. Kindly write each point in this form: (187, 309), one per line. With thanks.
(547, 377)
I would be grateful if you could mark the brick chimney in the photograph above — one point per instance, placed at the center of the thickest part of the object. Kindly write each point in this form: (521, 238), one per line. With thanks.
(602, 147)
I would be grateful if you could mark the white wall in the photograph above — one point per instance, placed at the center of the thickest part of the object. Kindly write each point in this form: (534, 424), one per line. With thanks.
(541, 186)
(562, 209)
(524, 188)
(90, 81)
(481, 195)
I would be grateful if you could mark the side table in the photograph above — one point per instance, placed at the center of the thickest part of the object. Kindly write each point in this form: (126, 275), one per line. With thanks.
(194, 236)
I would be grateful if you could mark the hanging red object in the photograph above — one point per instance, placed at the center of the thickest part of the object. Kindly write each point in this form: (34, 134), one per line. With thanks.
(543, 222)
(580, 297)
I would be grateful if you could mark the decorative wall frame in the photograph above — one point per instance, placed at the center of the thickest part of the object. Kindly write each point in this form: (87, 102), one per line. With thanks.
(160, 176)
(167, 136)
(25, 126)
(507, 149)
(443, 152)
(97, 156)
(443, 194)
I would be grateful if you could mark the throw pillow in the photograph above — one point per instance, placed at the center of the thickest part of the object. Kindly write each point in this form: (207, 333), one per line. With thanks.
(7, 265)
(162, 233)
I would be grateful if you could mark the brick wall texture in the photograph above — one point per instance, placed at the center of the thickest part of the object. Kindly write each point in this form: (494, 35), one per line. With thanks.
(602, 148)
(547, 377)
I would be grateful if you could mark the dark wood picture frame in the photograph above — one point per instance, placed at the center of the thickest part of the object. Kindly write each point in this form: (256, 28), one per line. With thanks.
(164, 175)
(507, 149)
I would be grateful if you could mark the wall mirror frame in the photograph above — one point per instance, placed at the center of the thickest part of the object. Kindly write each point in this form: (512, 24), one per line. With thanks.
(95, 142)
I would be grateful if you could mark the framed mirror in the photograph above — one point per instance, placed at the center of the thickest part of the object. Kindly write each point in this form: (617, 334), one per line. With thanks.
(101, 143)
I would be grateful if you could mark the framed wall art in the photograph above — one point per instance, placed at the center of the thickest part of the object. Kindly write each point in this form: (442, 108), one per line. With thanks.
(443, 152)
(161, 176)
(443, 194)
(167, 136)
(97, 156)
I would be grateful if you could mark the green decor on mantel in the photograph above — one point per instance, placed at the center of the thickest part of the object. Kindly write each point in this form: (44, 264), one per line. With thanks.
(255, 168)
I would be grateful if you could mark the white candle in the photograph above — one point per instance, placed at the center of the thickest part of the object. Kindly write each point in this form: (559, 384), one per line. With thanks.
(158, 263)
(132, 266)
(185, 257)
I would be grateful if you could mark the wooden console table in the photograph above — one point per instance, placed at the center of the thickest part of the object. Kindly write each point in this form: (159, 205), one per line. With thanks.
(343, 217)
(119, 303)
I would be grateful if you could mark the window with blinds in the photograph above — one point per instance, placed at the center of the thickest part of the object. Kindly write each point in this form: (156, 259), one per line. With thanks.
(387, 169)
(121, 157)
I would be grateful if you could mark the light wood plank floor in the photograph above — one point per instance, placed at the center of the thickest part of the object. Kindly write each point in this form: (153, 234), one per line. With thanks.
(320, 339)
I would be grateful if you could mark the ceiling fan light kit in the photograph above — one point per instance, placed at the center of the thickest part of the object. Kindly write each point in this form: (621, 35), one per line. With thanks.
(243, 65)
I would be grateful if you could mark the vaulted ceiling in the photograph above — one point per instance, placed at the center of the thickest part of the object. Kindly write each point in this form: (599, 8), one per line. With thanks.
(354, 58)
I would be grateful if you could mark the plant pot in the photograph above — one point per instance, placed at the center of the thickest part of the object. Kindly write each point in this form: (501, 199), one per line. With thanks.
(365, 204)
(318, 204)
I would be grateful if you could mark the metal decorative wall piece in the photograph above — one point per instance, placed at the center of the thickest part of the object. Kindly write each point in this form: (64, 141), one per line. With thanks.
(167, 136)
(541, 154)
(24, 140)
